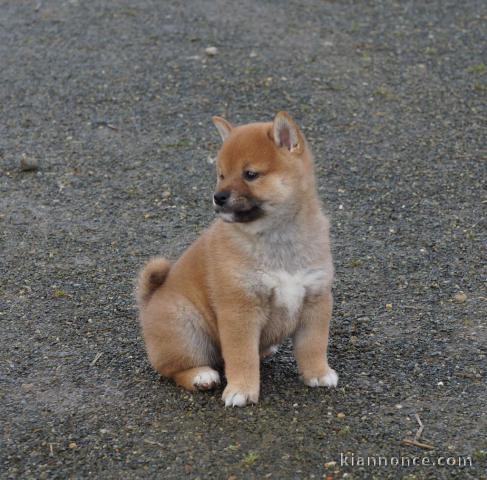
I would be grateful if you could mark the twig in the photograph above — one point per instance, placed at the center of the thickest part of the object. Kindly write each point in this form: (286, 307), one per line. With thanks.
(151, 442)
(415, 441)
(104, 123)
(97, 357)
(410, 441)
(420, 429)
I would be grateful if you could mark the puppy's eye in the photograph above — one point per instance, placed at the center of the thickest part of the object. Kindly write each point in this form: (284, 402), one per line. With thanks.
(220, 176)
(249, 175)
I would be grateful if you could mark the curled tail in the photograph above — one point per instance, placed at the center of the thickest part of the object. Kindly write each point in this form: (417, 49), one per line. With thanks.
(151, 277)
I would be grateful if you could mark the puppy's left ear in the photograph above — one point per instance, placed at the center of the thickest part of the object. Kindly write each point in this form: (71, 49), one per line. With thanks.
(223, 126)
(286, 133)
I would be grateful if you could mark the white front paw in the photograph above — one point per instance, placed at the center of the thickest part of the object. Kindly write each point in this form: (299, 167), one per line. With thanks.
(238, 397)
(328, 380)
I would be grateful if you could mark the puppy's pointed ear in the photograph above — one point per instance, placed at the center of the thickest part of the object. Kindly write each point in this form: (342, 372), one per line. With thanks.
(223, 126)
(286, 133)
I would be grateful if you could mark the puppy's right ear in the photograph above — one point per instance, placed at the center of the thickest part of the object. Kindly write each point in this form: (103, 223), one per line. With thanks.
(224, 128)
(286, 133)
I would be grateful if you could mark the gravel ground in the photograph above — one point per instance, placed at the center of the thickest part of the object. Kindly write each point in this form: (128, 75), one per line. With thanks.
(113, 102)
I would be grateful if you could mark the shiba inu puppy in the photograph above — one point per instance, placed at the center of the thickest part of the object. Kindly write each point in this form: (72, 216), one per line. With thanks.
(260, 273)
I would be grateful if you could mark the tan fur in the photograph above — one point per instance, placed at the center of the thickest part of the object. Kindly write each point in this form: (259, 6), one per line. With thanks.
(151, 277)
(243, 287)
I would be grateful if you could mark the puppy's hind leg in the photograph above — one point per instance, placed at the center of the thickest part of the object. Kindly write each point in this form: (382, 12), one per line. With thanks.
(177, 344)
(198, 378)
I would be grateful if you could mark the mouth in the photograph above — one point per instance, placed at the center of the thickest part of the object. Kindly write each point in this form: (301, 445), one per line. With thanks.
(240, 216)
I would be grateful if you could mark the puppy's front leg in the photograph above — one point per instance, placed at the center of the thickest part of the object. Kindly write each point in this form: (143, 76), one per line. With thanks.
(239, 329)
(311, 343)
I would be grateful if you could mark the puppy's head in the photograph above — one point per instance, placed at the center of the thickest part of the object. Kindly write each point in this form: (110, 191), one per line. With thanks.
(262, 169)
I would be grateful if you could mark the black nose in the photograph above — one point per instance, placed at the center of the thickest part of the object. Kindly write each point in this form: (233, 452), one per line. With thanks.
(221, 198)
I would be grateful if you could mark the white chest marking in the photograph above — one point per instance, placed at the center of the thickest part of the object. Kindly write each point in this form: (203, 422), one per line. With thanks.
(290, 289)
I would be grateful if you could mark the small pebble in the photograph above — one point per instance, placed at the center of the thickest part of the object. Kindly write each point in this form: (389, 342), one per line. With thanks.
(27, 387)
(341, 415)
(389, 306)
(28, 164)
(211, 51)
(460, 297)
(72, 445)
